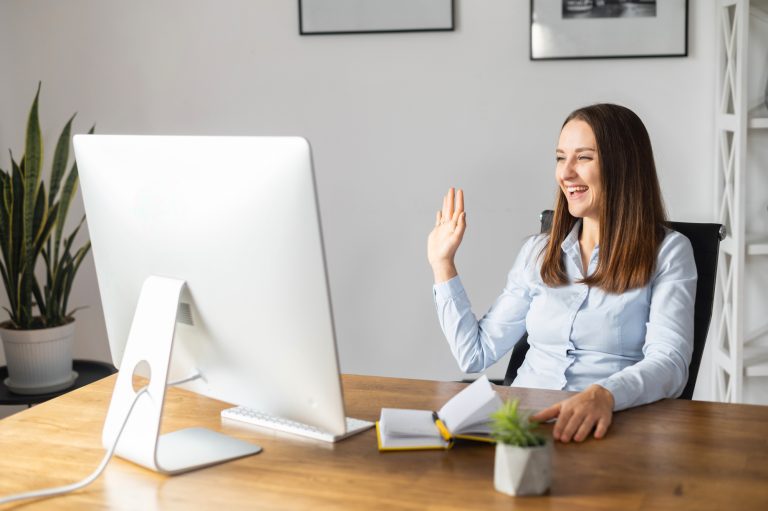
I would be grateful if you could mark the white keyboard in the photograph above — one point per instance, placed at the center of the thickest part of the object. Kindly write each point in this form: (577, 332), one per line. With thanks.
(243, 414)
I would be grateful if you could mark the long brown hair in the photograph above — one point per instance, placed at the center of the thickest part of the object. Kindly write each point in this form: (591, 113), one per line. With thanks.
(632, 216)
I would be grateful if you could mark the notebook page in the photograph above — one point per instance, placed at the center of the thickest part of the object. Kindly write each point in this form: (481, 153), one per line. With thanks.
(471, 406)
(397, 422)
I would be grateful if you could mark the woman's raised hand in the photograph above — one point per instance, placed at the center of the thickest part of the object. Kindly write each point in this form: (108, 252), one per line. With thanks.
(445, 238)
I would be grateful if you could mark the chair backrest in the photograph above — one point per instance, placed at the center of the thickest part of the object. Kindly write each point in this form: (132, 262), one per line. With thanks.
(705, 239)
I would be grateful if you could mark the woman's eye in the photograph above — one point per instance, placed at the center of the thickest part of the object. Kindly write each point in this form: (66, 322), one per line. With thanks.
(559, 158)
(583, 157)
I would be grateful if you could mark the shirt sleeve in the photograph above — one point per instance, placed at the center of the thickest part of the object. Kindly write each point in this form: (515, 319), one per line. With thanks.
(663, 371)
(476, 345)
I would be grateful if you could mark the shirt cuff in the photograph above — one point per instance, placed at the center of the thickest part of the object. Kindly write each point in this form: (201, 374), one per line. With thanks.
(449, 289)
(619, 391)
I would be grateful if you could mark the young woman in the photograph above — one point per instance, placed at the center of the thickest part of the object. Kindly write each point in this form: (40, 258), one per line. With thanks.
(606, 297)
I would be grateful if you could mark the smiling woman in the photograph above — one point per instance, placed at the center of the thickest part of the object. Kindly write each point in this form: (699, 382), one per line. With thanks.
(606, 297)
(629, 221)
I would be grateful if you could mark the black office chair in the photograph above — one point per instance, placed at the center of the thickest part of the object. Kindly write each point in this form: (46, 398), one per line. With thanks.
(705, 240)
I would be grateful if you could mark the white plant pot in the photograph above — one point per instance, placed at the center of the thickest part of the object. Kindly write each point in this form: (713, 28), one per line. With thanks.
(39, 361)
(522, 470)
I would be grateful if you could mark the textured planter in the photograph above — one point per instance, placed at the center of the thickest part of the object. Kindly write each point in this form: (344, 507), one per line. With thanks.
(522, 470)
(39, 361)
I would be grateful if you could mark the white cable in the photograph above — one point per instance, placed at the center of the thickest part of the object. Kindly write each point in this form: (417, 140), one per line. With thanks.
(193, 377)
(59, 490)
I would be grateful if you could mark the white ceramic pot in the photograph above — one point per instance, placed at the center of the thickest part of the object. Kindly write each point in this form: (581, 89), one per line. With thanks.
(39, 361)
(522, 470)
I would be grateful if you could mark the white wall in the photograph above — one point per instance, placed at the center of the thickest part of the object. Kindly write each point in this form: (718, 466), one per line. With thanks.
(394, 119)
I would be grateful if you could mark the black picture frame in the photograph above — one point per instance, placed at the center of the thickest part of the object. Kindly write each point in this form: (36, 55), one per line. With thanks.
(333, 17)
(559, 35)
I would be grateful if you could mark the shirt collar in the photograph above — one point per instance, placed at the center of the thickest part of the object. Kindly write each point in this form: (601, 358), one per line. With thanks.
(573, 237)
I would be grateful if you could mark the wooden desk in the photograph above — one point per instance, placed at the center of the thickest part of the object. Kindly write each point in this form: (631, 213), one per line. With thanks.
(669, 455)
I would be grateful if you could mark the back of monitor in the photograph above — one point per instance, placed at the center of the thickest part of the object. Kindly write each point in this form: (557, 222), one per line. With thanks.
(236, 219)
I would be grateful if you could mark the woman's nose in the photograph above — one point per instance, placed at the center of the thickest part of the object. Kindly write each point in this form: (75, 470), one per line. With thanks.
(567, 169)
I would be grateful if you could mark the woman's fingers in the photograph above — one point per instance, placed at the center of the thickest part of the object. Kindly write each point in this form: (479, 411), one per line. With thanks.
(581, 412)
(572, 424)
(602, 427)
(459, 209)
(448, 206)
(437, 219)
(584, 429)
(566, 413)
(457, 229)
(453, 208)
(444, 210)
(547, 413)
(461, 224)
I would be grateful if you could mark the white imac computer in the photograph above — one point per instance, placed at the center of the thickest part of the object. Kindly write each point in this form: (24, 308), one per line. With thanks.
(210, 264)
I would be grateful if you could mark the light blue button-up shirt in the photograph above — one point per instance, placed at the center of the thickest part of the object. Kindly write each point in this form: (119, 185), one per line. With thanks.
(636, 344)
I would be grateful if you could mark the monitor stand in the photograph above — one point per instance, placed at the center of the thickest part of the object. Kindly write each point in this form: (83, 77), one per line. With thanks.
(150, 341)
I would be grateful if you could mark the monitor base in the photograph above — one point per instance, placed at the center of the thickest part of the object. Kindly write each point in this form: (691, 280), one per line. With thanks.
(136, 426)
(194, 448)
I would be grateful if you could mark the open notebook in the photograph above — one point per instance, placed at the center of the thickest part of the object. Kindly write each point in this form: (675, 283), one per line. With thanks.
(465, 416)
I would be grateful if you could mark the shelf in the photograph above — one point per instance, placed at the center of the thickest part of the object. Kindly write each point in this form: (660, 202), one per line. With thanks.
(758, 117)
(757, 370)
(756, 361)
(757, 245)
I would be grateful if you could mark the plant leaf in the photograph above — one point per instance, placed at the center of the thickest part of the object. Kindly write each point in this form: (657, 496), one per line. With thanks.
(45, 231)
(72, 312)
(78, 260)
(40, 300)
(40, 211)
(60, 159)
(4, 273)
(71, 238)
(10, 317)
(33, 157)
(5, 213)
(67, 194)
(14, 261)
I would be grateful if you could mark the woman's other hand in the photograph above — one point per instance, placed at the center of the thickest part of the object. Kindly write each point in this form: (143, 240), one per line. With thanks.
(445, 238)
(578, 415)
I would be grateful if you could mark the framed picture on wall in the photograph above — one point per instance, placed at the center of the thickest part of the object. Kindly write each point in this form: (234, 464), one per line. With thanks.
(594, 29)
(363, 16)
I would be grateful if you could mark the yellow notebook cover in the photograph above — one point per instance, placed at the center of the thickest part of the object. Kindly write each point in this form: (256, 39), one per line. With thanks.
(409, 444)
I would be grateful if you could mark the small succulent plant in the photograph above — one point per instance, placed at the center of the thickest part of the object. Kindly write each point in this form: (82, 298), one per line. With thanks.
(511, 426)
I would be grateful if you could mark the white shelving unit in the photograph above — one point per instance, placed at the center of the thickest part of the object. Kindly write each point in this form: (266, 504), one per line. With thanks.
(735, 355)
(758, 118)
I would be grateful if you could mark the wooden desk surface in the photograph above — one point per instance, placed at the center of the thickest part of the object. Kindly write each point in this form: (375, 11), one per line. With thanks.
(669, 455)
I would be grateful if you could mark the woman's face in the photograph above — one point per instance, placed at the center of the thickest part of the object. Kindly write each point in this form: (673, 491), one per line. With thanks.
(578, 169)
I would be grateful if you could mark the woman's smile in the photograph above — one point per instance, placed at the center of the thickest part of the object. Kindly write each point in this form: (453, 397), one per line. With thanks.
(576, 192)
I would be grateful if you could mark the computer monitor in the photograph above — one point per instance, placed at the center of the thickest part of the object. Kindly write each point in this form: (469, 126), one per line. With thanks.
(236, 219)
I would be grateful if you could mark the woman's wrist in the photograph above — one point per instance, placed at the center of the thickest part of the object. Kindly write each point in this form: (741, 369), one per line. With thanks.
(603, 394)
(444, 272)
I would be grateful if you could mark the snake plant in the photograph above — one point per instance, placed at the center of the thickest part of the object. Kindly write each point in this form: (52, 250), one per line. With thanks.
(512, 427)
(32, 226)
